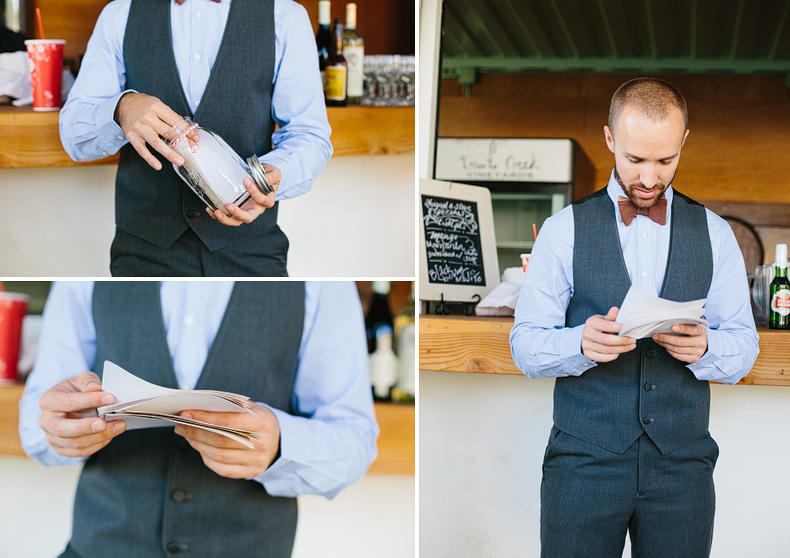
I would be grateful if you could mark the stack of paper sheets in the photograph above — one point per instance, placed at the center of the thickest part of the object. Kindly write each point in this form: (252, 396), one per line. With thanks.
(144, 405)
(643, 314)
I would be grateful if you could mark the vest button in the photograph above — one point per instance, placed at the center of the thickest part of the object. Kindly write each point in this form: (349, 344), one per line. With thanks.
(649, 386)
(647, 420)
(181, 496)
(192, 214)
(651, 352)
(177, 547)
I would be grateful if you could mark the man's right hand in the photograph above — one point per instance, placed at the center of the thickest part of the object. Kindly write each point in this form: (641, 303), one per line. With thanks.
(143, 119)
(69, 419)
(600, 342)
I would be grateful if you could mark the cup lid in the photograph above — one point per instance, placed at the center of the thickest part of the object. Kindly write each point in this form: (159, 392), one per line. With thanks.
(45, 42)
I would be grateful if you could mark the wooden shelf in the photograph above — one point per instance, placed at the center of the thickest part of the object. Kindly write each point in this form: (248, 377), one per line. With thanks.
(478, 344)
(31, 139)
(396, 443)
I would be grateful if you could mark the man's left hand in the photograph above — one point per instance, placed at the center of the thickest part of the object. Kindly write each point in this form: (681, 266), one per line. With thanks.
(227, 457)
(688, 346)
(253, 207)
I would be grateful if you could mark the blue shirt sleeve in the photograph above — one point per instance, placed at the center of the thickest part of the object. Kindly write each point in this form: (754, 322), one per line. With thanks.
(331, 440)
(733, 343)
(541, 345)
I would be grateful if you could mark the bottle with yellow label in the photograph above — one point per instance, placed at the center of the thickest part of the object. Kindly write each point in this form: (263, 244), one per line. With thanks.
(779, 316)
(336, 70)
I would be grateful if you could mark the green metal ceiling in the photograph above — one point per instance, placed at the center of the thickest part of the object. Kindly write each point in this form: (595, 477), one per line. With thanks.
(667, 36)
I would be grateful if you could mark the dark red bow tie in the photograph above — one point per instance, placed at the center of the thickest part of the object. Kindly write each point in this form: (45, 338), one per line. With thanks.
(179, 2)
(657, 213)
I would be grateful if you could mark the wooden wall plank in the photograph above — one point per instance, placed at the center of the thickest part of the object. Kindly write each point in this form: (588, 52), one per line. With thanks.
(736, 151)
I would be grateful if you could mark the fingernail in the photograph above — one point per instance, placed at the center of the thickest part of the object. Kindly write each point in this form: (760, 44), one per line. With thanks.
(93, 384)
(186, 415)
(118, 427)
(108, 399)
(97, 425)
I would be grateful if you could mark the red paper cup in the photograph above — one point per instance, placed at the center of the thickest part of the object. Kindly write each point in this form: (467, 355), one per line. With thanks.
(12, 310)
(524, 262)
(45, 62)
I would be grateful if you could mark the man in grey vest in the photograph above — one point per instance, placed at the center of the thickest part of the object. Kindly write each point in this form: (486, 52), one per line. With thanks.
(630, 450)
(238, 68)
(298, 350)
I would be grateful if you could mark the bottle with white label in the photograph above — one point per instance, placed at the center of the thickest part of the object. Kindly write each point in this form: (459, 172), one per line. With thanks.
(779, 316)
(383, 364)
(354, 53)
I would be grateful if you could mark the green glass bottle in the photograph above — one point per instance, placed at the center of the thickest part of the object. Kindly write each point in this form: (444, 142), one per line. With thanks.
(780, 292)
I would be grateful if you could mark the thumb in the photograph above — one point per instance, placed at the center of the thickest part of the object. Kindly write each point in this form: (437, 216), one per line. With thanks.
(87, 381)
(612, 314)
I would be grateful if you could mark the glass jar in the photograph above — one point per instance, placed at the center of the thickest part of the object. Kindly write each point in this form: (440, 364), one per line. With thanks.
(212, 169)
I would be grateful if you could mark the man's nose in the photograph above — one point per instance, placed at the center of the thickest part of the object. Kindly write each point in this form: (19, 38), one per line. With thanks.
(649, 175)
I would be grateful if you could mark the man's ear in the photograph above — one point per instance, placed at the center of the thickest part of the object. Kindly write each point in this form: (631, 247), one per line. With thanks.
(607, 134)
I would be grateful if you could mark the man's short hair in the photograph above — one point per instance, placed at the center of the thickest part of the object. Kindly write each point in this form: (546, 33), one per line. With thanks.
(653, 97)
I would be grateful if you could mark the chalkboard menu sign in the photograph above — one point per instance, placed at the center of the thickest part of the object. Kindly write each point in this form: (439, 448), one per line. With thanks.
(458, 257)
(452, 241)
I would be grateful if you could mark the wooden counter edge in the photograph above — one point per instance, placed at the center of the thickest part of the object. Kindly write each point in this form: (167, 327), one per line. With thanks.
(481, 344)
(33, 138)
(396, 442)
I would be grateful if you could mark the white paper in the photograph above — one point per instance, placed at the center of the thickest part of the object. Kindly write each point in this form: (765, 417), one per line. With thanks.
(501, 301)
(643, 314)
(145, 405)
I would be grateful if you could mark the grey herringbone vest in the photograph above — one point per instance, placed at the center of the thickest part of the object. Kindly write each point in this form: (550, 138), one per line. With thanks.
(148, 492)
(645, 390)
(156, 205)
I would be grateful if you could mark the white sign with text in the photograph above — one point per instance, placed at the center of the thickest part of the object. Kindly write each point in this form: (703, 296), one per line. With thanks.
(504, 160)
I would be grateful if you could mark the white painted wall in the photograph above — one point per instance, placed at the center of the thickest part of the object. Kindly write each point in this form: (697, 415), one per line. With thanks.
(482, 439)
(358, 220)
(372, 518)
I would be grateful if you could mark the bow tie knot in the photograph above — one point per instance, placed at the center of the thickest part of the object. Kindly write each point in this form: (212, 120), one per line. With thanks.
(657, 212)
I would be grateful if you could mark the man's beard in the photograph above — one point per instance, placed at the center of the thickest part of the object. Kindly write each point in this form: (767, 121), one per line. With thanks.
(639, 202)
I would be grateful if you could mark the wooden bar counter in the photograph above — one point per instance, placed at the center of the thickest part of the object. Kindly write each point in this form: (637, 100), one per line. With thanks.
(32, 139)
(481, 344)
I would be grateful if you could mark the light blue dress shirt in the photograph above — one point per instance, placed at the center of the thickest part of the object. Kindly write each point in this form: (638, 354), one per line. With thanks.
(301, 145)
(330, 442)
(541, 345)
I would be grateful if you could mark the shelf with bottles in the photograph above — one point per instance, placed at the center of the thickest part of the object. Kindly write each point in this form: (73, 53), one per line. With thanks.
(388, 307)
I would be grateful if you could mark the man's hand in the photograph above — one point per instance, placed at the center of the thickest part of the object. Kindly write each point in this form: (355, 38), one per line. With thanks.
(600, 341)
(143, 119)
(253, 207)
(69, 419)
(688, 346)
(227, 457)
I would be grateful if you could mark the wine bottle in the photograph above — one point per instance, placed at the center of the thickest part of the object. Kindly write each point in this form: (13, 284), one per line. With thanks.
(336, 70)
(354, 53)
(383, 365)
(323, 38)
(779, 317)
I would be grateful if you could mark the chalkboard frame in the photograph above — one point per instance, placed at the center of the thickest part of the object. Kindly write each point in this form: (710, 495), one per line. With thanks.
(481, 196)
